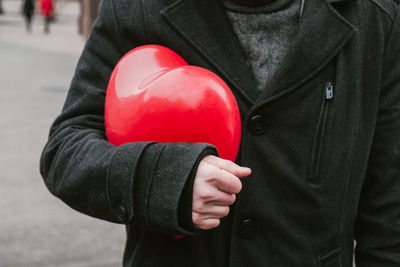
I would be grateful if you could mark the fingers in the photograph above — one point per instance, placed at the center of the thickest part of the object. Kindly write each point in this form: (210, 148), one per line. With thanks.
(205, 224)
(227, 182)
(228, 166)
(213, 212)
(223, 199)
(209, 207)
(223, 180)
(211, 196)
(215, 187)
(209, 218)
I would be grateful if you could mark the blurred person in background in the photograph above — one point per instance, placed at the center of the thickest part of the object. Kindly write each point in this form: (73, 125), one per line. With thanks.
(28, 10)
(47, 9)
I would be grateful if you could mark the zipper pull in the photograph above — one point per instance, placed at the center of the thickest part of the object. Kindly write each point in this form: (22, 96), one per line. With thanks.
(329, 91)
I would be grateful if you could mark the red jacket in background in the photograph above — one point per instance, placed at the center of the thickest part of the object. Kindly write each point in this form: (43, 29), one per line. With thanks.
(46, 7)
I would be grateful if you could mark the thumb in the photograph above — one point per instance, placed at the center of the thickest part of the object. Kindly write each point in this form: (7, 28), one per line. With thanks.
(244, 171)
(228, 166)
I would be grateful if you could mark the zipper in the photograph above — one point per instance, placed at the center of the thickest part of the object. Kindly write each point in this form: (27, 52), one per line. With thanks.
(319, 134)
(328, 91)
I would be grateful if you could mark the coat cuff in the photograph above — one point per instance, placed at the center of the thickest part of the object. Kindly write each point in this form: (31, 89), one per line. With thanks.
(164, 170)
(120, 179)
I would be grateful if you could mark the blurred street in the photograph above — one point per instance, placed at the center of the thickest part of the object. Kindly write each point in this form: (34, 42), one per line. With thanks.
(36, 229)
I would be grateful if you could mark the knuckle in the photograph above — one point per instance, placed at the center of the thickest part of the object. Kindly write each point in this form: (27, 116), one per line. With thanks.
(227, 164)
(201, 168)
(231, 165)
(203, 171)
(196, 205)
(201, 208)
(218, 173)
(219, 179)
(210, 172)
(205, 194)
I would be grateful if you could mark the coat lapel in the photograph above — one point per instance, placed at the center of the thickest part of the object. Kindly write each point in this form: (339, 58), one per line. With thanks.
(321, 35)
(205, 25)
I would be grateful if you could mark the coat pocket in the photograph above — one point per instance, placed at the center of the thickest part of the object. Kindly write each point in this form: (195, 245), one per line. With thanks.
(320, 133)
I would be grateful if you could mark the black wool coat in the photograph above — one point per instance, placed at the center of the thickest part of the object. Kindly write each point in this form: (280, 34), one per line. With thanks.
(322, 140)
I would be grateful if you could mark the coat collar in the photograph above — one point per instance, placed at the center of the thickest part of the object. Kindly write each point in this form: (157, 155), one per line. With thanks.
(322, 33)
(205, 25)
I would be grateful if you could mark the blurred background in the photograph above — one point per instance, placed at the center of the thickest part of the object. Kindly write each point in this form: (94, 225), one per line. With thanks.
(36, 67)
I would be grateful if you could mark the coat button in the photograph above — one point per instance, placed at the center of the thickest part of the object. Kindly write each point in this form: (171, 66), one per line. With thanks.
(246, 229)
(257, 125)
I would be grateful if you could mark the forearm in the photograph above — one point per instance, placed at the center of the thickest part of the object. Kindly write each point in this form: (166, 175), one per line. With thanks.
(139, 182)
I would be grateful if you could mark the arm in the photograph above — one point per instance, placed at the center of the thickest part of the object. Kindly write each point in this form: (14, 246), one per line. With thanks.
(378, 222)
(136, 182)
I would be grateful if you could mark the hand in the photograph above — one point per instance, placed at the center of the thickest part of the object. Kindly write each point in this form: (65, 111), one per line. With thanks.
(215, 187)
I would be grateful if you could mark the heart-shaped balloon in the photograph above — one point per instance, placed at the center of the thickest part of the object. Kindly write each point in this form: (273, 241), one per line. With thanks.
(154, 95)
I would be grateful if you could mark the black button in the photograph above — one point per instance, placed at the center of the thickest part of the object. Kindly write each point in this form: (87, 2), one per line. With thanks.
(257, 125)
(247, 229)
(122, 214)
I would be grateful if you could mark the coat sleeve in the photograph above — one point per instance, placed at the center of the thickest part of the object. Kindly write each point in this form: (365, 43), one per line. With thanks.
(139, 182)
(378, 223)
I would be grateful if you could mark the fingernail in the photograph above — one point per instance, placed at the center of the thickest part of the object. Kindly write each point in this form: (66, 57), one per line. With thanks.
(247, 169)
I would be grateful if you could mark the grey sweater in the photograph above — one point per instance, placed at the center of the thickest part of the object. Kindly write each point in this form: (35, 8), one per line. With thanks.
(265, 32)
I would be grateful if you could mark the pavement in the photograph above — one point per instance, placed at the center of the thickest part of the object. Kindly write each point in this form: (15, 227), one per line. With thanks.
(37, 229)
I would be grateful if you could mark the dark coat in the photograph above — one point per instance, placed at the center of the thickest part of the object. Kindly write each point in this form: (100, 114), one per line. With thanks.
(322, 140)
(28, 8)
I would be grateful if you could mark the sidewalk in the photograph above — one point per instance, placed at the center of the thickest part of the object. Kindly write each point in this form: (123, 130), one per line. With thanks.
(63, 37)
(37, 229)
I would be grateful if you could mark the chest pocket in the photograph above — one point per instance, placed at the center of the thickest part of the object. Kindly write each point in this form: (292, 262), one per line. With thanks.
(320, 131)
(308, 133)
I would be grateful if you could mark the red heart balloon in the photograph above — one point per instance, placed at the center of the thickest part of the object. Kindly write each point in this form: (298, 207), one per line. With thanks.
(154, 95)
